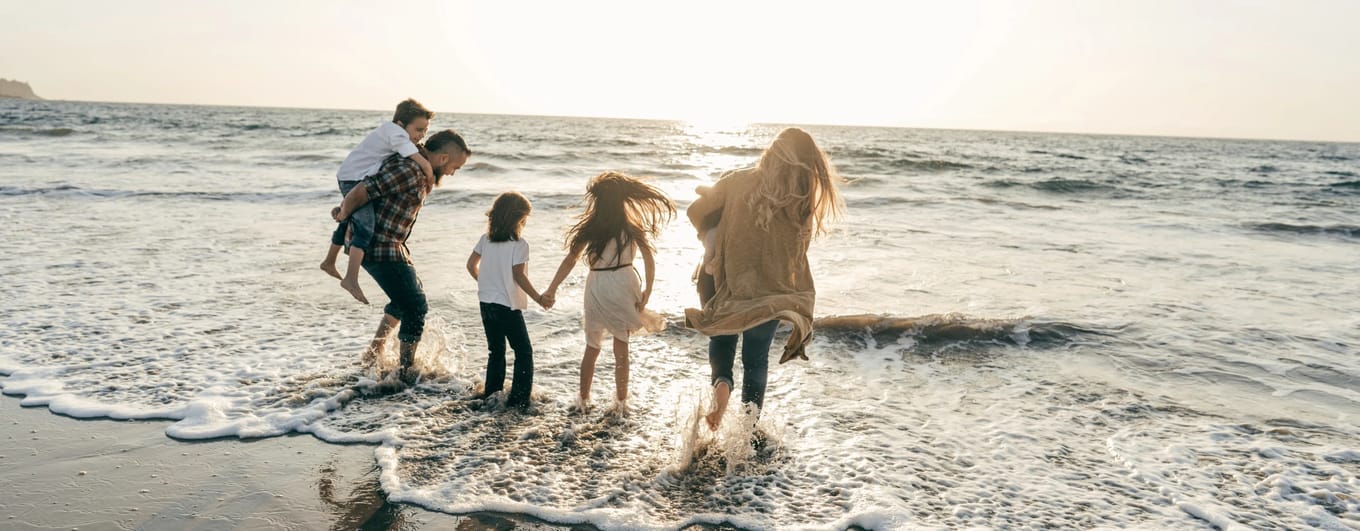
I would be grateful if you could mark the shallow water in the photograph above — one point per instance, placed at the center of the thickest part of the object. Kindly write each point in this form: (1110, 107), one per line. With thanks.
(1083, 331)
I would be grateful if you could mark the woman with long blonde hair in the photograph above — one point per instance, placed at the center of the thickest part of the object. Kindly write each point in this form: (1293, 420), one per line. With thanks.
(765, 218)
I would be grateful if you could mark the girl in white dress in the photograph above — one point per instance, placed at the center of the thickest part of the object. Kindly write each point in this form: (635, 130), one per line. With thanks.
(623, 215)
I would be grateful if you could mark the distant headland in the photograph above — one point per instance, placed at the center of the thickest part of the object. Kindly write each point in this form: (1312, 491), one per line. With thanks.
(16, 89)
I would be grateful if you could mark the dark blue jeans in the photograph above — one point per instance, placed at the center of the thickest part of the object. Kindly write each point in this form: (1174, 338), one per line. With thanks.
(399, 281)
(755, 360)
(503, 324)
(363, 219)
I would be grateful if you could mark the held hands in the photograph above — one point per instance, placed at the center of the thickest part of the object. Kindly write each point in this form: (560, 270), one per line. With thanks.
(335, 214)
(547, 299)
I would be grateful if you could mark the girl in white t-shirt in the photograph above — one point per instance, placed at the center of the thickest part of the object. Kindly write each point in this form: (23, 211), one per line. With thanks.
(623, 216)
(499, 263)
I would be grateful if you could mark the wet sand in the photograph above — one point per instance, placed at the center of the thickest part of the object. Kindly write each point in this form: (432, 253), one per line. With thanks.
(66, 473)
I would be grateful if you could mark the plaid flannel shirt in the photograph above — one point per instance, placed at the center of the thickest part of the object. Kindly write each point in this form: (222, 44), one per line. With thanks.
(396, 193)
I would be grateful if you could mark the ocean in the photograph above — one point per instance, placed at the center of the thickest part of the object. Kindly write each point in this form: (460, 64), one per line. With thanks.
(1024, 330)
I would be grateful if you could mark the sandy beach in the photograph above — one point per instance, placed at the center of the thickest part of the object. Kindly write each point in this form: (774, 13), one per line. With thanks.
(66, 473)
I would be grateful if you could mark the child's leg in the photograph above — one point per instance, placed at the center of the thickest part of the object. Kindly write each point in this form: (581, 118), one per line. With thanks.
(704, 284)
(361, 222)
(522, 385)
(337, 237)
(328, 263)
(493, 324)
(588, 372)
(350, 282)
(620, 370)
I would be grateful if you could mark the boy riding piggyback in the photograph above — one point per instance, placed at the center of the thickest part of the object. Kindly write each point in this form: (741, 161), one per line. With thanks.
(408, 126)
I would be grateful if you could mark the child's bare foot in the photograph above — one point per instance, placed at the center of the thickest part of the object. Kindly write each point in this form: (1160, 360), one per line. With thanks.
(329, 268)
(352, 286)
(619, 408)
(582, 405)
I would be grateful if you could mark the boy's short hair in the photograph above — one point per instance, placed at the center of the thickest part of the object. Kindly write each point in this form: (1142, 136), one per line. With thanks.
(440, 142)
(410, 109)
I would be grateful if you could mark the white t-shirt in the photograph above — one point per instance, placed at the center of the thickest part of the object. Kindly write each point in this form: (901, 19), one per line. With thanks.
(368, 156)
(496, 278)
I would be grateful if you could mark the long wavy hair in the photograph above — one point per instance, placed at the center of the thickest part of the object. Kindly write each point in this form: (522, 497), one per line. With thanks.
(621, 209)
(796, 173)
(506, 217)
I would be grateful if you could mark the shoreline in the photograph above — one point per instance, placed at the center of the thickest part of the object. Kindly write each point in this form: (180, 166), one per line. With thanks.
(72, 473)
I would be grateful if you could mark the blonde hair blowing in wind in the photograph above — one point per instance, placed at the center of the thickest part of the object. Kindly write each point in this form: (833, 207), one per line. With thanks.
(796, 173)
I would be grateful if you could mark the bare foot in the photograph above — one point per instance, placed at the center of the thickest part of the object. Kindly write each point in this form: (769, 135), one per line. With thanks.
(329, 268)
(582, 405)
(619, 409)
(352, 286)
(713, 419)
(721, 392)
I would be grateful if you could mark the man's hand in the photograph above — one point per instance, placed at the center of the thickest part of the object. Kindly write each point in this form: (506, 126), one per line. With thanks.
(335, 214)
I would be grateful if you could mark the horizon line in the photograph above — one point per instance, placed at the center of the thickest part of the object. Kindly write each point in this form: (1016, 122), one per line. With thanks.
(746, 123)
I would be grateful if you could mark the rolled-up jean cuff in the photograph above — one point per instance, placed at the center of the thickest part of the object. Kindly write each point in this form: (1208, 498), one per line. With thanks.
(361, 222)
(405, 337)
(721, 379)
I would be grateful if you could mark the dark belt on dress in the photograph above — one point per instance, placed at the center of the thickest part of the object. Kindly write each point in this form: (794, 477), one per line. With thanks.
(615, 268)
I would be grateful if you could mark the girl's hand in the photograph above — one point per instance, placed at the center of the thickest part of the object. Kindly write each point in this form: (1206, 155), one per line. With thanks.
(646, 296)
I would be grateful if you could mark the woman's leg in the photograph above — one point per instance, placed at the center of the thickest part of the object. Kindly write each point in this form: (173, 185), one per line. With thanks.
(722, 351)
(755, 362)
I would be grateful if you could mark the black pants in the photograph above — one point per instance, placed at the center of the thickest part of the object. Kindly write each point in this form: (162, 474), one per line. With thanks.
(503, 324)
(399, 281)
(755, 360)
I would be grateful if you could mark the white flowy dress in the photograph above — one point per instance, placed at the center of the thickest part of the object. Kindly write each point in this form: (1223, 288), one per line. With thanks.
(613, 289)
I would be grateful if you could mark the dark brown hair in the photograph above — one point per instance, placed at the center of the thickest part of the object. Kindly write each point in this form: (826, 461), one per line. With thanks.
(408, 110)
(503, 220)
(440, 142)
(621, 209)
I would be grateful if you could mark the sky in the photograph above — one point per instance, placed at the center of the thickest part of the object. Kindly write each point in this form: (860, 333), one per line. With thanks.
(1220, 68)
